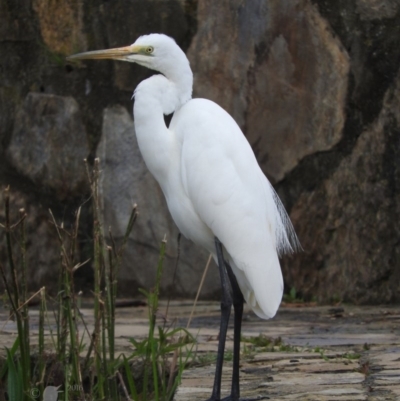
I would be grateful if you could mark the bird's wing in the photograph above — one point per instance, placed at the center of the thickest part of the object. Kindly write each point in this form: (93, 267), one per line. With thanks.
(232, 196)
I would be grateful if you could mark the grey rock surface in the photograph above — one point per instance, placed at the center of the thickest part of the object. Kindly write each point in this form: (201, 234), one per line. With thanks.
(279, 70)
(351, 246)
(49, 143)
(377, 9)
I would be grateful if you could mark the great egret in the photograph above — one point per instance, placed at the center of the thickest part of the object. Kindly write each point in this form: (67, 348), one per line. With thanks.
(215, 190)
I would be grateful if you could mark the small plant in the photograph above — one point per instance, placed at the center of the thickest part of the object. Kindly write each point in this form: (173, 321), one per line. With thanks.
(206, 358)
(364, 368)
(15, 378)
(292, 297)
(262, 343)
(322, 353)
(161, 352)
(19, 371)
(351, 355)
(335, 299)
(287, 348)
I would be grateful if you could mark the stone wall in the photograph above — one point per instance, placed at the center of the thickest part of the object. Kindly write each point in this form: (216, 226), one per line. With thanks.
(313, 84)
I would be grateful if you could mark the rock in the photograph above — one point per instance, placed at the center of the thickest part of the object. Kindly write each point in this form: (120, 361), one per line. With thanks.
(348, 226)
(125, 181)
(377, 9)
(49, 143)
(7, 110)
(61, 25)
(297, 91)
(17, 22)
(279, 71)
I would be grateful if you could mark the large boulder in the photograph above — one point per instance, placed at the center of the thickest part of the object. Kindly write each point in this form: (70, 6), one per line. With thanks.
(377, 9)
(279, 70)
(49, 143)
(349, 225)
(345, 202)
(61, 25)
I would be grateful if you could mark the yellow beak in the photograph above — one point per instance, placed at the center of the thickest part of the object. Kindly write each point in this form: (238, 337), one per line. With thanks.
(119, 53)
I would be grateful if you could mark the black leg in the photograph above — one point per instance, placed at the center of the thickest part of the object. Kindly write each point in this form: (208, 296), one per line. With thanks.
(226, 305)
(231, 294)
(238, 302)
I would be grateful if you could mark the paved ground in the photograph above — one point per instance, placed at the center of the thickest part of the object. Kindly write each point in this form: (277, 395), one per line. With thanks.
(346, 353)
(320, 353)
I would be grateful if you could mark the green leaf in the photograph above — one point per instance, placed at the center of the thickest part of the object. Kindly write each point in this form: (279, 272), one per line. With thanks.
(14, 379)
(12, 351)
(131, 383)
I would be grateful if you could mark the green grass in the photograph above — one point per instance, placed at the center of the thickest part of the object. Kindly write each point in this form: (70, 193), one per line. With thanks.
(262, 343)
(351, 355)
(292, 297)
(208, 358)
(322, 353)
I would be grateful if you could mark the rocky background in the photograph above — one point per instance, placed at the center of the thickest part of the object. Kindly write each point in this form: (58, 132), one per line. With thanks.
(314, 84)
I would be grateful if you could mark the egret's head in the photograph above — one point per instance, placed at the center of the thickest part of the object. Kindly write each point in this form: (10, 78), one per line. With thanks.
(156, 51)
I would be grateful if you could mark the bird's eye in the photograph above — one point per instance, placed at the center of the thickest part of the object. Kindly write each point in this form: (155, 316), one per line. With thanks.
(149, 49)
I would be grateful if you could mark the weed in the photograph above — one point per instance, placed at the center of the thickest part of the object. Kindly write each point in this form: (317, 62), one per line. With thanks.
(155, 350)
(292, 297)
(19, 372)
(206, 358)
(322, 353)
(262, 343)
(287, 348)
(364, 368)
(209, 358)
(351, 355)
(248, 351)
(335, 299)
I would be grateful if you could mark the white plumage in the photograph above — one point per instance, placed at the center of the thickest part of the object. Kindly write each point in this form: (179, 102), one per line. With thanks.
(228, 197)
(210, 177)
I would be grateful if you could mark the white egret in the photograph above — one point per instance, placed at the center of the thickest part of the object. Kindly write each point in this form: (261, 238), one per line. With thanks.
(215, 190)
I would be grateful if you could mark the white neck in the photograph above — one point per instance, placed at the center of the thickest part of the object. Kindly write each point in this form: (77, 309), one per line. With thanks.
(154, 97)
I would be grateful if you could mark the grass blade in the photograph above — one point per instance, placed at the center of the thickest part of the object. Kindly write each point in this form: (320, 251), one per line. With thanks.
(14, 379)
